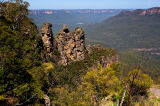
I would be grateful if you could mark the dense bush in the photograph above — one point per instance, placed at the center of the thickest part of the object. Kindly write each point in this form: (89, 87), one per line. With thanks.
(101, 83)
(20, 55)
(136, 85)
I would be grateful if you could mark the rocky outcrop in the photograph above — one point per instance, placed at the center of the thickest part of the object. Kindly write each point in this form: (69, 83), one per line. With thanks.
(105, 61)
(71, 45)
(47, 100)
(47, 36)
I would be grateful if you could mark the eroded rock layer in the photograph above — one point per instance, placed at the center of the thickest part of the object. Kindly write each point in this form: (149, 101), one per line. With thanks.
(71, 45)
(47, 36)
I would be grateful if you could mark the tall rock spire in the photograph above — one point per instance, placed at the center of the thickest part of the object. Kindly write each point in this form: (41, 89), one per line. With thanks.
(47, 36)
(71, 45)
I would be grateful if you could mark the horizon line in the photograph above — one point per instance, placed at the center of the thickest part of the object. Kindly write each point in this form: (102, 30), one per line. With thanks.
(97, 9)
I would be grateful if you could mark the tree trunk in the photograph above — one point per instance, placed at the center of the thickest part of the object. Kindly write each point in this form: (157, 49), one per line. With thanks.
(123, 98)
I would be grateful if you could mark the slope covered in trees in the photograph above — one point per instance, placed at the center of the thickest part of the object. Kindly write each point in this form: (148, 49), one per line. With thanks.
(20, 55)
(126, 31)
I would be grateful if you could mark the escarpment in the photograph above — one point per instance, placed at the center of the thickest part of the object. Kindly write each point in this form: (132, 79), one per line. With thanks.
(71, 45)
(151, 11)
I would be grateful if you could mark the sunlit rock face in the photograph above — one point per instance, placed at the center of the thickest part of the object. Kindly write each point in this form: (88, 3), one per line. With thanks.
(155, 10)
(71, 45)
(47, 36)
(151, 11)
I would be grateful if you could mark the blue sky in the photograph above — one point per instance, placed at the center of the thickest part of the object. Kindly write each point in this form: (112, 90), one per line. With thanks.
(92, 4)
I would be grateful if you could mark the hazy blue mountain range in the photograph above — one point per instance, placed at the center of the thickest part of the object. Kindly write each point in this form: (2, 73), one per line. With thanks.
(72, 18)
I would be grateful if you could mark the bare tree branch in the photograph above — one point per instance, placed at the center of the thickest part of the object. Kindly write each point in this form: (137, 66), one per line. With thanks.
(26, 100)
(124, 93)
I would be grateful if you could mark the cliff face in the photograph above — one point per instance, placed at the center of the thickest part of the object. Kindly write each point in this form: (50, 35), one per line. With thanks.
(151, 11)
(79, 11)
(70, 45)
(47, 36)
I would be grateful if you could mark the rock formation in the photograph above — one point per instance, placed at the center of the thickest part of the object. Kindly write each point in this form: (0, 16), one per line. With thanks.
(47, 36)
(105, 61)
(70, 45)
(47, 100)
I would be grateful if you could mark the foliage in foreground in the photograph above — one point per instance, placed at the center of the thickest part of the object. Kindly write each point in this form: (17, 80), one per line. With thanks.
(104, 86)
(137, 86)
(21, 68)
(130, 60)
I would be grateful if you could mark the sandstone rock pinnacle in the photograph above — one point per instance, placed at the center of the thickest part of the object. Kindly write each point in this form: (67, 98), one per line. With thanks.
(70, 45)
(65, 28)
(47, 36)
